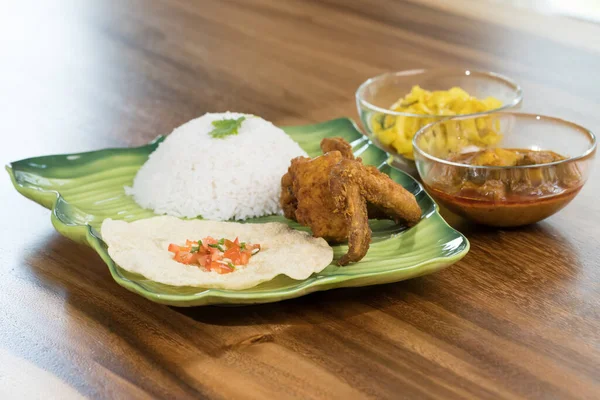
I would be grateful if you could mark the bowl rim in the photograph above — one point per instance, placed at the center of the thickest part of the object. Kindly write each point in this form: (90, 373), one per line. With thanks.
(591, 149)
(450, 71)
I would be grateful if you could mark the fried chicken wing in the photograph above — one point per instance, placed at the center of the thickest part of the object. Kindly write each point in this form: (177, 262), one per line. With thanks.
(288, 201)
(348, 201)
(379, 190)
(315, 207)
(337, 144)
(352, 185)
(335, 195)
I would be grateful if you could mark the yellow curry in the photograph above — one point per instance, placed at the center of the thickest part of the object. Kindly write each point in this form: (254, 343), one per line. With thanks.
(398, 131)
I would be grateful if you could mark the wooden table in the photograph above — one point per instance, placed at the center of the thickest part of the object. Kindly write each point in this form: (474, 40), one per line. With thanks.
(519, 317)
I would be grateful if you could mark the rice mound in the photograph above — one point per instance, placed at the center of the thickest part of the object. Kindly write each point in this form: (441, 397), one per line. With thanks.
(191, 174)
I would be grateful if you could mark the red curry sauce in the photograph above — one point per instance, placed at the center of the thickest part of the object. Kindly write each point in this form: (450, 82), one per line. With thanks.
(506, 196)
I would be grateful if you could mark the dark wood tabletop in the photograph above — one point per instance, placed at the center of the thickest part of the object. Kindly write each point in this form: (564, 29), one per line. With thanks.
(518, 317)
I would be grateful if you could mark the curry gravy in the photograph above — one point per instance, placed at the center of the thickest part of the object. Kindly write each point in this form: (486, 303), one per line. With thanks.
(506, 196)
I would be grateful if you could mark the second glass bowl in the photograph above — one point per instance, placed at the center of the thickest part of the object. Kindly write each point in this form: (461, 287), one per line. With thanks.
(503, 190)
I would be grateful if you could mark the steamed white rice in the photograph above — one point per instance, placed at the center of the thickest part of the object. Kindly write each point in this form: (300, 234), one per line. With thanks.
(192, 174)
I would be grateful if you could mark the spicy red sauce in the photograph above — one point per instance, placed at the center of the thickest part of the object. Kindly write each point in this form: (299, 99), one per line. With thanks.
(506, 197)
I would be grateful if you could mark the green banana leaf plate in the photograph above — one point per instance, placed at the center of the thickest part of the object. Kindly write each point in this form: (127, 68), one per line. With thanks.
(83, 189)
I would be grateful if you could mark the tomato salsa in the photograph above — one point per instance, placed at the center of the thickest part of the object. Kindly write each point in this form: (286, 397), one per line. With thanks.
(222, 256)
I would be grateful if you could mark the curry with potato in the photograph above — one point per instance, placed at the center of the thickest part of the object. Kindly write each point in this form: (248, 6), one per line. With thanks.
(506, 196)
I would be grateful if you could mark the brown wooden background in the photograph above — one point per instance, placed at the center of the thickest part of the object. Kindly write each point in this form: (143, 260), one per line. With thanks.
(519, 317)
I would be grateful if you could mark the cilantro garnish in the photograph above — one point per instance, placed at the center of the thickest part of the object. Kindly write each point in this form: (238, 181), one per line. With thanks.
(216, 246)
(226, 127)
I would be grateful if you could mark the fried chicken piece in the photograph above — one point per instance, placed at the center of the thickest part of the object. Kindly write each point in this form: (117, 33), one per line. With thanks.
(349, 201)
(315, 207)
(337, 144)
(335, 194)
(380, 190)
(288, 201)
(375, 212)
(352, 185)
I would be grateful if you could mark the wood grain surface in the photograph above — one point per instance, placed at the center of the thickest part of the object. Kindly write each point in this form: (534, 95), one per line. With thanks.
(518, 318)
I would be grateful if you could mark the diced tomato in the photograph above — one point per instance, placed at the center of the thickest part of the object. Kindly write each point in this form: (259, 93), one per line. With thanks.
(220, 268)
(244, 258)
(233, 254)
(204, 260)
(226, 269)
(173, 248)
(184, 257)
(252, 247)
(209, 240)
(207, 256)
(214, 252)
(196, 258)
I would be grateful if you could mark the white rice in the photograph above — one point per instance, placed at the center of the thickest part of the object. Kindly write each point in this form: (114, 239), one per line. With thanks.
(192, 174)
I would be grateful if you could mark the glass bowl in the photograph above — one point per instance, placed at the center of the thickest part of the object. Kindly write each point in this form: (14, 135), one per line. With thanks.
(376, 95)
(504, 196)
